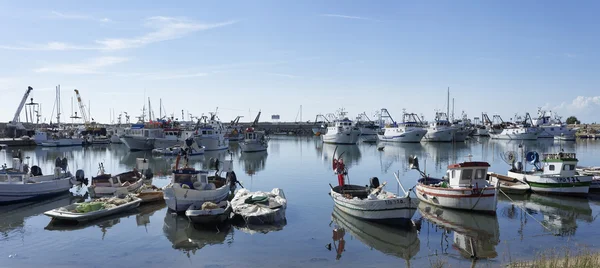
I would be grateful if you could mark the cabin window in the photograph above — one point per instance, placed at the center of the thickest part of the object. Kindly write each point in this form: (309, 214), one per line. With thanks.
(551, 167)
(146, 133)
(204, 132)
(467, 174)
(453, 173)
(210, 133)
(480, 174)
(552, 129)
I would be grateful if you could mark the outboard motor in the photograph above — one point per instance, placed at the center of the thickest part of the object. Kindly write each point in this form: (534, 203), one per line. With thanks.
(148, 174)
(232, 178)
(374, 182)
(64, 164)
(80, 177)
(36, 171)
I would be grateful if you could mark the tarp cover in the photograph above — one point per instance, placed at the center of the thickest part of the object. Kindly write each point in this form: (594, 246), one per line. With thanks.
(263, 212)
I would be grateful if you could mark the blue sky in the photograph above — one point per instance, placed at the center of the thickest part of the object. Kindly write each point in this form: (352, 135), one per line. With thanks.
(502, 57)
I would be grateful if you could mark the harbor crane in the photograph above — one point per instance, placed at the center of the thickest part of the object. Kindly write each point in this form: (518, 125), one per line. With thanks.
(16, 123)
(82, 109)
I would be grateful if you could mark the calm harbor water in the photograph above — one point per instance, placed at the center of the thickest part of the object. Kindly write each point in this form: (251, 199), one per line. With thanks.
(153, 237)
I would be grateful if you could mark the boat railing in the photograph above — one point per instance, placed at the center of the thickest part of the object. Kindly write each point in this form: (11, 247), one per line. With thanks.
(559, 156)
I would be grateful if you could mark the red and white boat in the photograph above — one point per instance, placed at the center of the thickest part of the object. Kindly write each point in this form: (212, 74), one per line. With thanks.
(464, 187)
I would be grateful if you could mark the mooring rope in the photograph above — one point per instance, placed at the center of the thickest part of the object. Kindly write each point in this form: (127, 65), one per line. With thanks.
(548, 229)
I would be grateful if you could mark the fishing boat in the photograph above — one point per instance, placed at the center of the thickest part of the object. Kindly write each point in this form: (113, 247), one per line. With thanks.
(552, 127)
(320, 125)
(341, 131)
(523, 130)
(209, 213)
(88, 211)
(150, 193)
(234, 131)
(464, 187)
(131, 181)
(410, 130)
(171, 137)
(254, 141)
(210, 134)
(140, 137)
(555, 174)
(440, 130)
(509, 185)
(190, 186)
(475, 235)
(368, 128)
(20, 183)
(99, 140)
(591, 171)
(258, 208)
(371, 202)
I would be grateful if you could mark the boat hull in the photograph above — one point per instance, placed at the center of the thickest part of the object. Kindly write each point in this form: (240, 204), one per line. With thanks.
(136, 143)
(556, 131)
(62, 143)
(212, 216)
(482, 200)
(180, 199)
(572, 186)
(16, 192)
(394, 210)
(83, 217)
(166, 143)
(212, 143)
(341, 138)
(107, 190)
(445, 135)
(249, 147)
(408, 137)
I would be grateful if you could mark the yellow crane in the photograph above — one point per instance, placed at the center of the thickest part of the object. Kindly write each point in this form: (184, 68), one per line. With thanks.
(82, 109)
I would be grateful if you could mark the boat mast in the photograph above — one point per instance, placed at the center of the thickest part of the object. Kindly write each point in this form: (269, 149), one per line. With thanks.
(58, 105)
(448, 103)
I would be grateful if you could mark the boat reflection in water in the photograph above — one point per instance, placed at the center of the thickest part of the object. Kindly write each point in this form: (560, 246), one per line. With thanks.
(13, 216)
(399, 242)
(254, 162)
(475, 235)
(146, 211)
(350, 153)
(560, 213)
(188, 239)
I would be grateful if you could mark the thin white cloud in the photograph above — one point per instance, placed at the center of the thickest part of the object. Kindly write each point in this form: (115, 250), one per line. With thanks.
(164, 29)
(284, 75)
(168, 76)
(92, 66)
(72, 16)
(570, 55)
(347, 17)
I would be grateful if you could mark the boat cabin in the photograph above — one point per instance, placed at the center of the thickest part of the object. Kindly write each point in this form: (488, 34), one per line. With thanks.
(342, 125)
(560, 164)
(468, 174)
(197, 179)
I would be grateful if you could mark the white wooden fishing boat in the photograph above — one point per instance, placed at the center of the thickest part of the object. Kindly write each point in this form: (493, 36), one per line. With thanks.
(591, 171)
(410, 130)
(509, 185)
(175, 150)
(371, 202)
(203, 214)
(556, 176)
(19, 184)
(100, 140)
(140, 137)
(341, 131)
(190, 186)
(257, 208)
(70, 212)
(465, 187)
(107, 184)
(552, 127)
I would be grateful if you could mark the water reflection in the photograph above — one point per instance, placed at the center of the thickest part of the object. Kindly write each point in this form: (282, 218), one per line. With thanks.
(188, 239)
(560, 214)
(475, 235)
(402, 243)
(350, 153)
(394, 152)
(146, 211)
(439, 155)
(12, 217)
(254, 162)
(259, 229)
